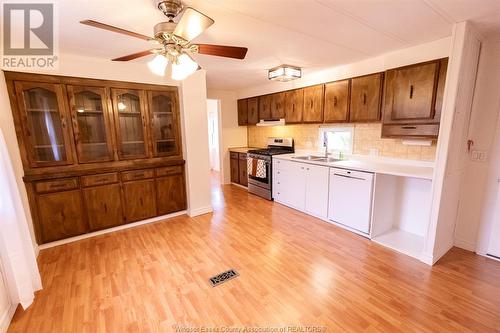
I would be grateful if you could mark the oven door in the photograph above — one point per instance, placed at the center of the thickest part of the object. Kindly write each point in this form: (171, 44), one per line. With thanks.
(261, 182)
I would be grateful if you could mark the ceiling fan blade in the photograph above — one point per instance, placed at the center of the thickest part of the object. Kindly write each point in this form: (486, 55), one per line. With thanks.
(222, 51)
(135, 55)
(192, 24)
(108, 27)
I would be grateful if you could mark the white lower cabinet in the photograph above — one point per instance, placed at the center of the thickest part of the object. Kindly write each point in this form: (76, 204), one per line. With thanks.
(301, 186)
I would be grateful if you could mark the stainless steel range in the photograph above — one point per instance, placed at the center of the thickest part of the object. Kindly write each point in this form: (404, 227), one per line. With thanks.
(260, 165)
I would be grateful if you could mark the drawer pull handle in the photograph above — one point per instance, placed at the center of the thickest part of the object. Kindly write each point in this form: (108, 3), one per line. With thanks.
(364, 98)
(409, 127)
(335, 101)
(58, 185)
(105, 208)
(142, 203)
(411, 91)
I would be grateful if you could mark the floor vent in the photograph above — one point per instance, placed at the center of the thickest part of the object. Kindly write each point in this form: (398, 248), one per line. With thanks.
(223, 277)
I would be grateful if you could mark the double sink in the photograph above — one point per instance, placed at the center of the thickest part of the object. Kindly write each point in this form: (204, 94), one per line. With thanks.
(314, 158)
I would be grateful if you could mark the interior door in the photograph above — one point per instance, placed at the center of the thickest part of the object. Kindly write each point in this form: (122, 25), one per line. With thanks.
(130, 123)
(5, 302)
(163, 118)
(91, 123)
(43, 117)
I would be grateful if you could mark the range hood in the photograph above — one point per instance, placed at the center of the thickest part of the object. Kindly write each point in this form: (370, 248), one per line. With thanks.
(272, 122)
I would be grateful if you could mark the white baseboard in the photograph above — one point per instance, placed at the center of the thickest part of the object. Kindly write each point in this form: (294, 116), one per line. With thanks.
(441, 252)
(466, 245)
(107, 231)
(200, 211)
(6, 318)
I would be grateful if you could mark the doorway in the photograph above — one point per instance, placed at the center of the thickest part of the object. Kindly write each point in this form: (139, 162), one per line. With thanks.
(213, 135)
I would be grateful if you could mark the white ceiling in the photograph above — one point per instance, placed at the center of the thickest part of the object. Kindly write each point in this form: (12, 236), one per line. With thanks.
(313, 34)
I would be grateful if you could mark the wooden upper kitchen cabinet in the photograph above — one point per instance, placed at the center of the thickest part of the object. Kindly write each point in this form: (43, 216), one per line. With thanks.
(336, 102)
(365, 101)
(413, 100)
(42, 119)
(313, 104)
(164, 114)
(253, 111)
(130, 121)
(294, 106)
(265, 107)
(278, 106)
(90, 149)
(242, 112)
(91, 123)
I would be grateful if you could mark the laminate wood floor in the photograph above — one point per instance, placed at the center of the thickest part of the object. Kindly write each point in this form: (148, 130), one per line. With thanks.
(294, 270)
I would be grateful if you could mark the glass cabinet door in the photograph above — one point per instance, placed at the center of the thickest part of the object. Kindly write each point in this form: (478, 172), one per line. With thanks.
(130, 125)
(163, 111)
(90, 124)
(44, 123)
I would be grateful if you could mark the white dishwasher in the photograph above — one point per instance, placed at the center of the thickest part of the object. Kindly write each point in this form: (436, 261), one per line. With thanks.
(350, 199)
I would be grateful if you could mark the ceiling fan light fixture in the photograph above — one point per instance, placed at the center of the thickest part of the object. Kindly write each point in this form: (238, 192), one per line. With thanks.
(158, 65)
(184, 67)
(284, 73)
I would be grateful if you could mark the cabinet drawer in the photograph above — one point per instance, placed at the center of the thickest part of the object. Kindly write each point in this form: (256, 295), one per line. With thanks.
(137, 174)
(102, 179)
(167, 171)
(426, 130)
(56, 185)
(234, 155)
(243, 156)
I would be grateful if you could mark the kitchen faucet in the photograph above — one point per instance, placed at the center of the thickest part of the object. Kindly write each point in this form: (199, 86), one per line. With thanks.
(325, 143)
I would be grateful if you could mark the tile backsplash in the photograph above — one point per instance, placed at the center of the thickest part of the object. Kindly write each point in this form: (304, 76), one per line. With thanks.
(366, 138)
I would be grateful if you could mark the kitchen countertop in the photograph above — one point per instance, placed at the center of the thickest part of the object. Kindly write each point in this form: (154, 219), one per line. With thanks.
(241, 149)
(396, 167)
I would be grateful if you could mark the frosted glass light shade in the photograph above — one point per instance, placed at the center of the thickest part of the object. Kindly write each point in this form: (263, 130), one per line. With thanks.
(184, 67)
(158, 65)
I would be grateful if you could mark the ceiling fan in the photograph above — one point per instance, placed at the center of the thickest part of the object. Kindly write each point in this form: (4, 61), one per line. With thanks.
(173, 40)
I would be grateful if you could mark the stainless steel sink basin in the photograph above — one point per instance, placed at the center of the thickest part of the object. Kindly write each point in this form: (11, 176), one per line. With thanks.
(316, 158)
(327, 159)
(307, 158)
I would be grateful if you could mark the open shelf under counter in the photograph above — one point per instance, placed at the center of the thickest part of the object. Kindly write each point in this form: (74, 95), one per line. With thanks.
(402, 241)
(401, 213)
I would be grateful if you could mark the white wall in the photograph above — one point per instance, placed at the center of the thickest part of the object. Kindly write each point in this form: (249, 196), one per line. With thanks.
(213, 133)
(420, 53)
(479, 185)
(99, 68)
(451, 152)
(231, 135)
(195, 135)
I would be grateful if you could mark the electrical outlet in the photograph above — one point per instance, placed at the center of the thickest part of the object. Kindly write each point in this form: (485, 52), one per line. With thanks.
(479, 155)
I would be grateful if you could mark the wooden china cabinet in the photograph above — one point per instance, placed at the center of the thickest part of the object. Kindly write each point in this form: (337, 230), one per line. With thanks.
(96, 153)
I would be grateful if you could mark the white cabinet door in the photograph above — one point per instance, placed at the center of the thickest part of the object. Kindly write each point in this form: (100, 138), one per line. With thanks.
(289, 183)
(316, 198)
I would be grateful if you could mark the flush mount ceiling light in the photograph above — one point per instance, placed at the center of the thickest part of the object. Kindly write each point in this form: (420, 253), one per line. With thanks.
(284, 73)
(172, 40)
